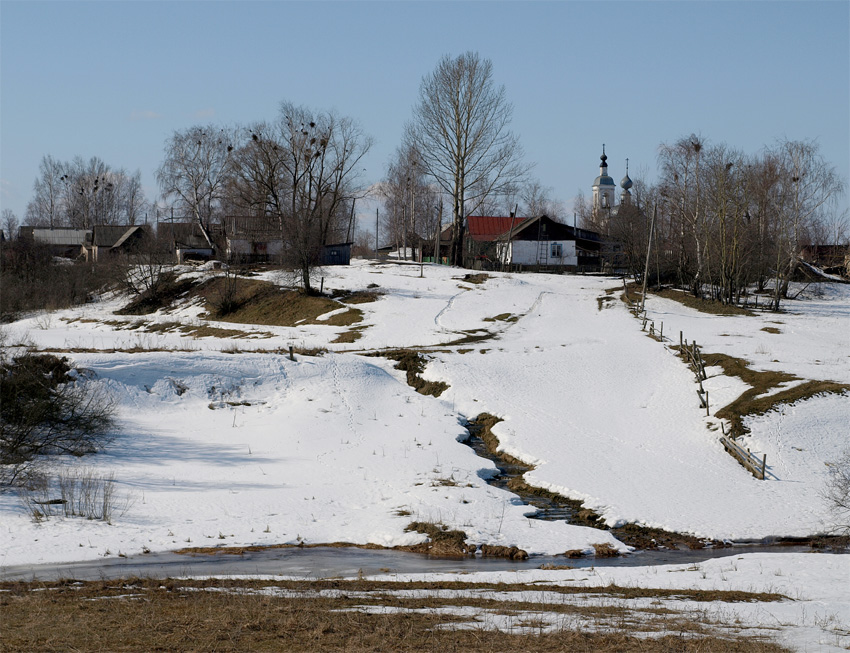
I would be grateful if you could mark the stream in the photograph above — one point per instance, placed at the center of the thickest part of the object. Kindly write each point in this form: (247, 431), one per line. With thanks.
(331, 562)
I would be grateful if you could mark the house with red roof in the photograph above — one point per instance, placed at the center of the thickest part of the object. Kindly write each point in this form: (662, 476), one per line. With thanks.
(535, 243)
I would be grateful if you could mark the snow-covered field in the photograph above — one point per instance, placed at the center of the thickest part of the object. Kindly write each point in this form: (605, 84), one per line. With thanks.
(221, 447)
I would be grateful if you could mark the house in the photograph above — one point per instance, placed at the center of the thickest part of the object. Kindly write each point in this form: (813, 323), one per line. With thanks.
(482, 234)
(832, 259)
(542, 242)
(190, 241)
(252, 239)
(63, 242)
(113, 239)
(496, 241)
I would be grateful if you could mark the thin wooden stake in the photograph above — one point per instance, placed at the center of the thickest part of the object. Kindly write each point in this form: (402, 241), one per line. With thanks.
(763, 465)
(707, 414)
(291, 353)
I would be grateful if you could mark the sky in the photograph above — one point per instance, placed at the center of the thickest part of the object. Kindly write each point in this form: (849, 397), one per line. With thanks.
(116, 79)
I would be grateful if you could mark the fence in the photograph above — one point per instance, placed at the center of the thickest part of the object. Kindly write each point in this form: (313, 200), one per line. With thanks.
(692, 355)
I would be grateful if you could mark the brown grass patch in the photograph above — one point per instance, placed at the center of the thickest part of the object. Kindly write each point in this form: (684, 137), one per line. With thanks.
(477, 279)
(710, 306)
(351, 316)
(345, 615)
(166, 295)
(771, 329)
(751, 402)
(413, 363)
(503, 317)
(442, 540)
(605, 550)
(352, 335)
(471, 336)
(509, 552)
(360, 297)
(262, 302)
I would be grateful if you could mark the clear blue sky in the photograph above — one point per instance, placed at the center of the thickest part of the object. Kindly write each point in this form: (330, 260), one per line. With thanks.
(114, 79)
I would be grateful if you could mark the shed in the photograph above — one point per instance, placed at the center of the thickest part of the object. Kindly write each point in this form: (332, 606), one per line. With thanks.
(338, 254)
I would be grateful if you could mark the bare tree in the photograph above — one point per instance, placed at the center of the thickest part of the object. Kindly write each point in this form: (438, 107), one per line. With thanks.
(44, 208)
(837, 492)
(460, 131)
(81, 194)
(409, 201)
(195, 170)
(302, 171)
(537, 201)
(10, 224)
(808, 185)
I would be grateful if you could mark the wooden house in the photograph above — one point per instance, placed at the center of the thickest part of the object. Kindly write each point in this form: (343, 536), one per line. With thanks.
(110, 239)
(531, 243)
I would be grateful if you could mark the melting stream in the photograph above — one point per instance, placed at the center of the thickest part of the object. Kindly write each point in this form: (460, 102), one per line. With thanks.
(548, 509)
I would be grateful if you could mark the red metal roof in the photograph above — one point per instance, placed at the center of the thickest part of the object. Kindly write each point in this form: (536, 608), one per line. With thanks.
(486, 228)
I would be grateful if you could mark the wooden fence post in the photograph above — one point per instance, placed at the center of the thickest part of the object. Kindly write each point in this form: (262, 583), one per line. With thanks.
(291, 353)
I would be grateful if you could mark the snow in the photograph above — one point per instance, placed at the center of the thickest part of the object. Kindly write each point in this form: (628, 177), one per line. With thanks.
(220, 443)
(814, 616)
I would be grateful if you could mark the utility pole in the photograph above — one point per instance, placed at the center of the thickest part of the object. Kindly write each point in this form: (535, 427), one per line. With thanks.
(648, 248)
(376, 232)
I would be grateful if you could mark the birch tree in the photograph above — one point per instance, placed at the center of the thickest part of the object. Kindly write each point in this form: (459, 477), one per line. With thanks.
(460, 131)
(194, 172)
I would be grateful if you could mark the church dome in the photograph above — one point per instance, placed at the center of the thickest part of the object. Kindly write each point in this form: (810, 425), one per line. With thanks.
(626, 183)
(603, 179)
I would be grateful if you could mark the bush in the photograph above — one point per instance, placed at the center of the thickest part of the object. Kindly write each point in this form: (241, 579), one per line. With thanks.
(837, 493)
(76, 493)
(48, 407)
(33, 280)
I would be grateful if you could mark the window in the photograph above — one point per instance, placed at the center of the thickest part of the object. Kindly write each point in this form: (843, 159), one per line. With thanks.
(556, 250)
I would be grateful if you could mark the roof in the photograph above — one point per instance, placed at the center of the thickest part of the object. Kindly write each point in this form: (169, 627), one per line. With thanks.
(57, 236)
(545, 228)
(111, 235)
(487, 228)
(250, 227)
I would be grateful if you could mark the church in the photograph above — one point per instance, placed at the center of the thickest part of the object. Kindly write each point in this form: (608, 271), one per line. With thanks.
(603, 206)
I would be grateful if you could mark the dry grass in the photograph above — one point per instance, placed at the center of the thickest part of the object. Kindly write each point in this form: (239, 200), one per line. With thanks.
(262, 302)
(503, 317)
(710, 306)
(471, 337)
(352, 335)
(477, 279)
(752, 402)
(442, 541)
(769, 329)
(413, 363)
(355, 616)
(360, 297)
(166, 295)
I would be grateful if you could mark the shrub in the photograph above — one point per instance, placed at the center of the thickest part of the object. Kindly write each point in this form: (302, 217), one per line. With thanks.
(48, 407)
(837, 493)
(33, 280)
(81, 493)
